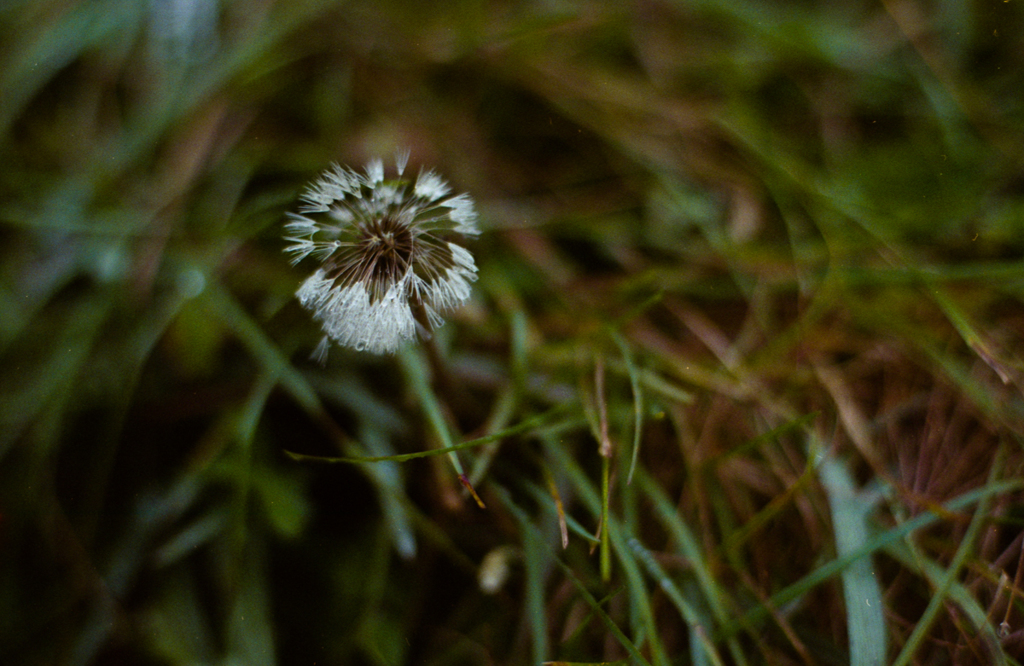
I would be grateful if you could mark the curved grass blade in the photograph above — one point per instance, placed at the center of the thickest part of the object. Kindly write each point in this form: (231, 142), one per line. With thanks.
(638, 402)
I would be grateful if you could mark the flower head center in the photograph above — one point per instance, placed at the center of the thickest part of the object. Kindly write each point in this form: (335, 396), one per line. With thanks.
(387, 240)
(384, 249)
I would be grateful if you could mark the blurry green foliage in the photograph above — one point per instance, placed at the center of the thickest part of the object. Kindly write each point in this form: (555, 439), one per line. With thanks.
(770, 250)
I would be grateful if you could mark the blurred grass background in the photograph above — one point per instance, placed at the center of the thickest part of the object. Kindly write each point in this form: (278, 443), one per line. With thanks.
(747, 335)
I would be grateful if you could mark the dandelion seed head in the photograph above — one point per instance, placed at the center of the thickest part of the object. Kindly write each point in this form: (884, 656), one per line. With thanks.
(375, 172)
(401, 159)
(389, 263)
(430, 186)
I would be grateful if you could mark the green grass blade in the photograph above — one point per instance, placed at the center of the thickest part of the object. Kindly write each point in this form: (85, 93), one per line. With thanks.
(545, 421)
(638, 402)
(546, 552)
(895, 534)
(689, 547)
(222, 305)
(865, 613)
(944, 582)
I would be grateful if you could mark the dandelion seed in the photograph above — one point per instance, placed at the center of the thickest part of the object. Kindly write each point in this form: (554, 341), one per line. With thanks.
(389, 266)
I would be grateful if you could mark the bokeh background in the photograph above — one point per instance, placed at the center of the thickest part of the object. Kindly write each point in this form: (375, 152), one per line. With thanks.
(740, 380)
